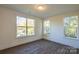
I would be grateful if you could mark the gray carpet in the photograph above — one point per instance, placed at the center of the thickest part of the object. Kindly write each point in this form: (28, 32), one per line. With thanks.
(41, 47)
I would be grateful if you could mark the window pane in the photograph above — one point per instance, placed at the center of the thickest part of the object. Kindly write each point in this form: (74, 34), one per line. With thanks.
(21, 21)
(30, 27)
(30, 22)
(70, 26)
(21, 26)
(46, 26)
(21, 31)
(30, 31)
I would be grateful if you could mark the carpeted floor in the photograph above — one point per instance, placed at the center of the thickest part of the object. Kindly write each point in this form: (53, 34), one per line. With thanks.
(40, 47)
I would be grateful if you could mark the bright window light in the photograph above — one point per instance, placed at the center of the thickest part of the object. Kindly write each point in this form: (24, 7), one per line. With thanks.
(46, 26)
(71, 26)
(25, 27)
(21, 26)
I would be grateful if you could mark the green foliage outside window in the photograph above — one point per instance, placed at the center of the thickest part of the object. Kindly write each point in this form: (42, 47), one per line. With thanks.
(24, 26)
(71, 26)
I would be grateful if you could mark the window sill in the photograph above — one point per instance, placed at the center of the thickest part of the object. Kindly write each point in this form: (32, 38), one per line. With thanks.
(23, 37)
(71, 38)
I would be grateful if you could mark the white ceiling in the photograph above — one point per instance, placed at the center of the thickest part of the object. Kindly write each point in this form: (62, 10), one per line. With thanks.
(51, 10)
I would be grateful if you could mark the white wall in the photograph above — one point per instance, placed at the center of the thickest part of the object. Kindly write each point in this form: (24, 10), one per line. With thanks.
(8, 28)
(57, 30)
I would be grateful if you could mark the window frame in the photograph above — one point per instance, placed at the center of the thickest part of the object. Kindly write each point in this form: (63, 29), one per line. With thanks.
(44, 27)
(17, 26)
(77, 29)
(26, 28)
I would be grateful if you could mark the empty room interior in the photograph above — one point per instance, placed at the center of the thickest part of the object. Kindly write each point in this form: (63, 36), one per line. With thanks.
(39, 28)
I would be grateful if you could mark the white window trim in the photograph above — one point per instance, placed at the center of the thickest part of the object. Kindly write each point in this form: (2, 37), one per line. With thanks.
(22, 37)
(44, 28)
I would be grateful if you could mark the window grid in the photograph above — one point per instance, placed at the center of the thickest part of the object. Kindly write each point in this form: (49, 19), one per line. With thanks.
(71, 27)
(46, 26)
(21, 26)
(23, 23)
(30, 27)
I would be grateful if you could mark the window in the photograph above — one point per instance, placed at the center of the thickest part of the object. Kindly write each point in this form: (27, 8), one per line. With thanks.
(25, 26)
(30, 27)
(46, 26)
(71, 26)
(21, 26)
